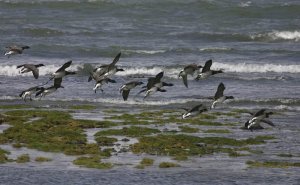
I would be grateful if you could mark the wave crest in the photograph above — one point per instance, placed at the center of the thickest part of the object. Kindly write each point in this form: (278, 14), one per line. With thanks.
(278, 35)
(170, 71)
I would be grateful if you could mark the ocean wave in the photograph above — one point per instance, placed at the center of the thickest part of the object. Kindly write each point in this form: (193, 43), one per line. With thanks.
(11, 70)
(108, 100)
(43, 32)
(170, 71)
(268, 101)
(216, 49)
(278, 35)
(149, 52)
(257, 68)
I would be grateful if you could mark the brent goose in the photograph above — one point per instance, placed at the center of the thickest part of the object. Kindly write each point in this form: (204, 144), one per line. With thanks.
(61, 72)
(13, 50)
(219, 97)
(101, 82)
(45, 91)
(155, 84)
(29, 92)
(107, 70)
(31, 67)
(206, 71)
(125, 89)
(259, 116)
(194, 111)
(188, 70)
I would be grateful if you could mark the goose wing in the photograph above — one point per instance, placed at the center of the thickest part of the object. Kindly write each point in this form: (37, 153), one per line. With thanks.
(116, 59)
(125, 94)
(184, 79)
(259, 113)
(220, 91)
(268, 122)
(207, 66)
(65, 66)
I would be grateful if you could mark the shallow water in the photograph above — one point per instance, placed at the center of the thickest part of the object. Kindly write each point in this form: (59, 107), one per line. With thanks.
(255, 42)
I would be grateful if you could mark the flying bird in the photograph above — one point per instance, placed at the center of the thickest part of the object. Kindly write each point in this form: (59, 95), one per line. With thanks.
(61, 72)
(219, 97)
(45, 91)
(207, 72)
(31, 68)
(125, 89)
(198, 109)
(257, 118)
(29, 92)
(155, 84)
(101, 82)
(13, 50)
(107, 70)
(188, 70)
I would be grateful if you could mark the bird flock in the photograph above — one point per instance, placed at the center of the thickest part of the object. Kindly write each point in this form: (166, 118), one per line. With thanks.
(102, 75)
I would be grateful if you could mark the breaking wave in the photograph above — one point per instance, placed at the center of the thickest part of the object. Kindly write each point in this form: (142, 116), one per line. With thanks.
(170, 71)
(278, 35)
(46, 70)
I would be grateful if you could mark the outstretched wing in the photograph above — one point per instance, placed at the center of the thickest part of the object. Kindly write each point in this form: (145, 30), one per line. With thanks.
(196, 108)
(20, 66)
(159, 76)
(65, 66)
(220, 91)
(57, 82)
(151, 82)
(268, 122)
(207, 66)
(35, 73)
(35, 70)
(125, 94)
(259, 113)
(184, 78)
(116, 59)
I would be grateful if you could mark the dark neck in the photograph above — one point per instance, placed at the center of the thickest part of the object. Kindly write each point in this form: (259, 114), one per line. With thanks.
(70, 73)
(216, 72)
(167, 84)
(229, 97)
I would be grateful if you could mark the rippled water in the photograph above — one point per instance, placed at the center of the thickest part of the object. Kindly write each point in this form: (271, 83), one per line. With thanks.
(255, 42)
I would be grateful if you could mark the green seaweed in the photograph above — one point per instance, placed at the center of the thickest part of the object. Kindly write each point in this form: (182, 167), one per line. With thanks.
(168, 165)
(55, 131)
(217, 131)
(181, 157)
(144, 163)
(92, 162)
(42, 159)
(128, 131)
(186, 145)
(147, 162)
(105, 141)
(3, 157)
(24, 158)
(187, 129)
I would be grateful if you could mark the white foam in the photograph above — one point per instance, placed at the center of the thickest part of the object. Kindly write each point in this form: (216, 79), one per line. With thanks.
(151, 52)
(287, 35)
(216, 49)
(171, 72)
(11, 70)
(279, 35)
(245, 4)
(256, 68)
